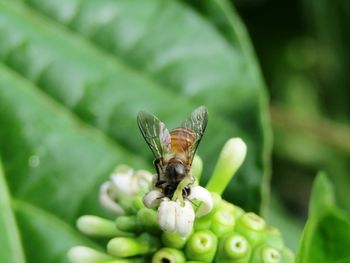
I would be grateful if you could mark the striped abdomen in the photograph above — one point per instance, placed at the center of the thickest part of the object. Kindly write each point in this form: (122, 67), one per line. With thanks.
(181, 140)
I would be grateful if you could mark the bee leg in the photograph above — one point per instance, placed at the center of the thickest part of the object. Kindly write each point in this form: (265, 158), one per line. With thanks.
(186, 191)
(157, 165)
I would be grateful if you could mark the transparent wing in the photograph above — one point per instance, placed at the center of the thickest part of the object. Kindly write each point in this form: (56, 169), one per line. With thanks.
(197, 123)
(154, 132)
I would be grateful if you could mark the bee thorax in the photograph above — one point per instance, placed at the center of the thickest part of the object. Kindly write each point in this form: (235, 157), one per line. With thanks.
(175, 171)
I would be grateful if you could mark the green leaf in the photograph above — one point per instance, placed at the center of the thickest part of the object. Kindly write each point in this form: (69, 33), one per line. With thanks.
(155, 68)
(326, 237)
(68, 104)
(58, 164)
(47, 238)
(10, 241)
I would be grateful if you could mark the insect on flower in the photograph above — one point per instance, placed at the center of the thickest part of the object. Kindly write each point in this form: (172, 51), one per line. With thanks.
(174, 150)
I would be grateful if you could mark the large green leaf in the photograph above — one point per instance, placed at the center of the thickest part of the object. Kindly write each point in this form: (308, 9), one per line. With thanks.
(47, 238)
(68, 107)
(53, 165)
(326, 237)
(57, 164)
(11, 247)
(65, 66)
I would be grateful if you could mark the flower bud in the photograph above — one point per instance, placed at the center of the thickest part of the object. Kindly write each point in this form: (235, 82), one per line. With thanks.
(252, 227)
(128, 247)
(95, 226)
(230, 159)
(201, 246)
(81, 254)
(233, 247)
(266, 254)
(169, 255)
(173, 240)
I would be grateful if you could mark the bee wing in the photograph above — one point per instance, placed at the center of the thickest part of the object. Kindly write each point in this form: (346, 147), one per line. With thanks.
(154, 132)
(196, 122)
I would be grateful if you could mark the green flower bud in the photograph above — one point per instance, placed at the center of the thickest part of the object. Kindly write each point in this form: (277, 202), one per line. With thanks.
(287, 256)
(233, 247)
(197, 167)
(168, 255)
(126, 260)
(173, 240)
(231, 158)
(128, 247)
(252, 227)
(266, 254)
(128, 224)
(273, 237)
(137, 202)
(204, 222)
(201, 246)
(148, 220)
(81, 254)
(238, 212)
(222, 222)
(128, 205)
(95, 226)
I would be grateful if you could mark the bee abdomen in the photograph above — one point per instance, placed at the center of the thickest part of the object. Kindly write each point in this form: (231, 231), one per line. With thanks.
(181, 139)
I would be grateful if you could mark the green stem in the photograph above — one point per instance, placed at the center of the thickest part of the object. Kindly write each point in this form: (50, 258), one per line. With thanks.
(201, 246)
(169, 255)
(230, 159)
(95, 226)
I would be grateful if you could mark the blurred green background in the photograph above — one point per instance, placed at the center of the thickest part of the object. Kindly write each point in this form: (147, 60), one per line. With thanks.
(303, 51)
(74, 74)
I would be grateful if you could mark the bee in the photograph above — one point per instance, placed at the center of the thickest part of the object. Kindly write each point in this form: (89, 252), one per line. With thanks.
(174, 150)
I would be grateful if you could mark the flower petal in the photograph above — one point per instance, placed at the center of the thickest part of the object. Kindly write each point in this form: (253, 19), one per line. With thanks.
(201, 194)
(184, 219)
(121, 181)
(107, 201)
(152, 199)
(166, 215)
(141, 181)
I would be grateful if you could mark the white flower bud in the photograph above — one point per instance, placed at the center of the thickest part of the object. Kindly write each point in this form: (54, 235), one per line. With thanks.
(172, 216)
(108, 202)
(152, 199)
(167, 216)
(184, 219)
(201, 194)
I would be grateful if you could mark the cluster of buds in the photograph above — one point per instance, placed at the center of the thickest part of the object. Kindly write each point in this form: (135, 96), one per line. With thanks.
(202, 228)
